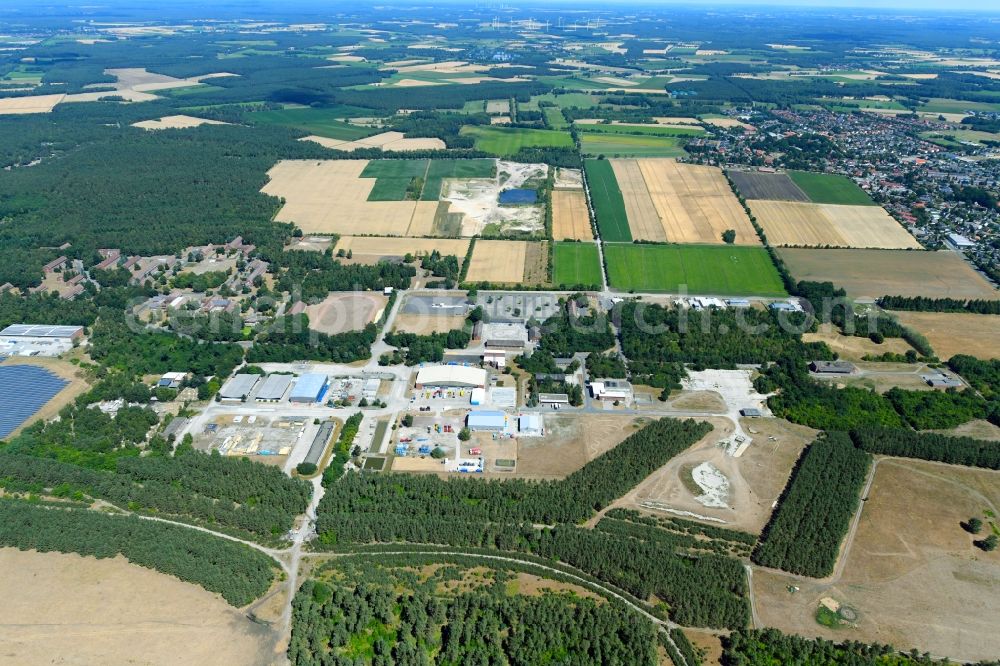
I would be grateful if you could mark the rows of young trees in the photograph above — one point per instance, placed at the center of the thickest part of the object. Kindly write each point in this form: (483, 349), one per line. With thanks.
(815, 509)
(677, 533)
(414, 348)
(925, 304)
(403, 621)
(236, 571)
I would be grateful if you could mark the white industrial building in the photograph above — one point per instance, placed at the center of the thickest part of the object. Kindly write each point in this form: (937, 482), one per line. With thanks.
(238, 388)
(38, 340)
(610, 390)
(451, 376)
(530, 425)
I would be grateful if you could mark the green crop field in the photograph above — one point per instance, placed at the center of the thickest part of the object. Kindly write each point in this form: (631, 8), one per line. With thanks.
(554, 118)
(648, 130)
(606, 197)
(440, 169)
(944, 105)
(507, 141)
(576, 263)
(695, 269)
(394, 178)
(627, 145)
(322, 122)
(827, 188)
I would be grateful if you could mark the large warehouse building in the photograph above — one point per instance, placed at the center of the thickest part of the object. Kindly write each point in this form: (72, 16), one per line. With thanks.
(274, 388)
(310, 387)
(238, 388)
(38, 340)
(489, 421)
(451, 376)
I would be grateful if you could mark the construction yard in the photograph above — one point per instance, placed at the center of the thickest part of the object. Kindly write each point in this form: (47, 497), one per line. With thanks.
(798, 224)
(869, 274)
(63, 608)
(918, 581)
(346, 311)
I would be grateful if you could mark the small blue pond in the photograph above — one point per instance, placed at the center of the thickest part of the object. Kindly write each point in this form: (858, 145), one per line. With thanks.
(518, 196)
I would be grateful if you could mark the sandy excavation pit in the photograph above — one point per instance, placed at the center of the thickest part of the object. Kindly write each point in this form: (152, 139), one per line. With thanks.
(477, 200)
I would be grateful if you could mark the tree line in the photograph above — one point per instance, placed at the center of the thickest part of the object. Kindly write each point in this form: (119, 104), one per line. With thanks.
(814, 511)
(925, 304)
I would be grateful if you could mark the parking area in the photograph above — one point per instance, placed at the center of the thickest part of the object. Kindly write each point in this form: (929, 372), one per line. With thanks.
(518, 306)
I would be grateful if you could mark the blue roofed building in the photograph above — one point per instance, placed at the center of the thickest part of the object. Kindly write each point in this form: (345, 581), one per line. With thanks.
(310, 387)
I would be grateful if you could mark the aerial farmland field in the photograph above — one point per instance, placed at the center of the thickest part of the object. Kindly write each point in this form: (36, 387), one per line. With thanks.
(829, 188)
(630, 145)
(570, 217)
(508, 141)
(606, 198)
(770, 186)
(875, 273)
(722, 270)
(576, 263)
(797, 224)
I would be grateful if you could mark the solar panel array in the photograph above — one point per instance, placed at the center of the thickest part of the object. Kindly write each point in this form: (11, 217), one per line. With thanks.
(24, 389)
(40, 331)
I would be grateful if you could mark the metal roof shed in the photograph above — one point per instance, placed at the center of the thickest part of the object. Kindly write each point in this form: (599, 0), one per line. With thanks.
(274, 388)
(238, 387)
(487, 420)
(309, 388)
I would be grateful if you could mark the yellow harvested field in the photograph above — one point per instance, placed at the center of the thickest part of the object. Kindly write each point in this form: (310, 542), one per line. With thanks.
(498, 261)
(67, 609)
(643, 217)
(570, 217)
(953, 333)
(726, 123)
(693, 203)
(175, 122)
(391, 141)
(672, 120)
(415, 83)
(329, 196)
(30, 104)
(799, 224)
(374, 247)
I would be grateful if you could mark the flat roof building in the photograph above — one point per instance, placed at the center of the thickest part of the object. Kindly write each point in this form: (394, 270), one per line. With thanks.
(490, 421)
(274, 388)
(530, 425)
(171, 380)
(42, 331)
(553, 398)
(458, 376)
(831, 367)
(505, 336)
(238, 388)
(310, 387)
(610, 390)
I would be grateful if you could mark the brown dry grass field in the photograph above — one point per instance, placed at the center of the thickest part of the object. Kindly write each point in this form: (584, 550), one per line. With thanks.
(756, 478)
(978, 429)
(798, 224)
(498, 261)
(570, 442)
(66, 609)
(694, 204)
(953, 333)
(29, 104)
(852, 348)
(912, 573)
(175, 122)
(875, 273)
(329, 196)
(372, 249)
(536, 263)
(425, 324)
(391, 141)
(342, 312)
(63, 369)
(570, 217)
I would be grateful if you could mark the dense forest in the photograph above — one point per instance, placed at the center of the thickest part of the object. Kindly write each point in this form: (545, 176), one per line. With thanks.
(984, 376)
(237, 572)
(414, 348)
(928, 446)
(815, 509)
(290, 339)
(456, 615)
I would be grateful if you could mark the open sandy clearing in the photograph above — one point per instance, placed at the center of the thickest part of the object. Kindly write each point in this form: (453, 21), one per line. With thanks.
(874, 273)
(350, 311)
(445, 67)
(853, 348)
(570, 217)
(425, 324)
(568, 179)
(176, 122)
(953, 333)
(29, 104)
(498, 261)
(67, 609)
(695, 203)
(477, 200)
(571, 442)
(799, 224)
(374, 249)
(329, 196)
(752, 482)
(912, 574)
(727, 123)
